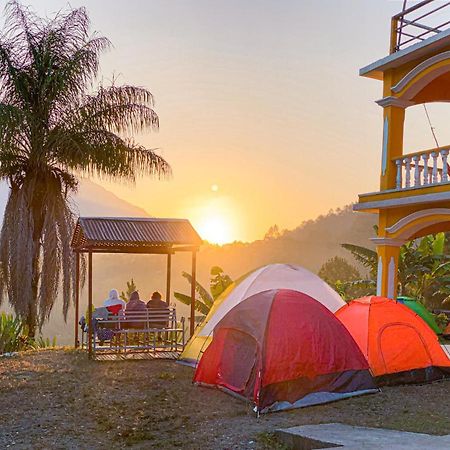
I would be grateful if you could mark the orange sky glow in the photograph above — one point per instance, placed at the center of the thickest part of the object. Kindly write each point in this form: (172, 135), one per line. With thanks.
(264, 119)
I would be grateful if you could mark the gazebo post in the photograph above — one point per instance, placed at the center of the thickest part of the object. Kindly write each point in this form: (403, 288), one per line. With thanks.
(194, 270)
(90, 304)
(169, 270)
(77, 295)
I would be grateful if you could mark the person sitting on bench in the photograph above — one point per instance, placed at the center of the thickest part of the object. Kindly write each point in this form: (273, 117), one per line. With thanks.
(156, 302)
(135, 304)
(113, 303)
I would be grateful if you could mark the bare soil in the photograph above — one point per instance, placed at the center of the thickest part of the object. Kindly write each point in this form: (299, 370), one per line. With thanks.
(58, 399)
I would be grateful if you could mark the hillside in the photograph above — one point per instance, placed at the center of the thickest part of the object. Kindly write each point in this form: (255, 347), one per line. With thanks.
(308, 245)
(94, 200)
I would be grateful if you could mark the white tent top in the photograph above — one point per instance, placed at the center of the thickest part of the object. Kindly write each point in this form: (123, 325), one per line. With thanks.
(276, 276)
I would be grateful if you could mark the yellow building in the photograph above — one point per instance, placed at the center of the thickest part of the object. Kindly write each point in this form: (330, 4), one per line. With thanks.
(414, 195)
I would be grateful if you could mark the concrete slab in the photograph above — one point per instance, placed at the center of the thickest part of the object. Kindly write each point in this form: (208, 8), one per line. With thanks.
(332, 435)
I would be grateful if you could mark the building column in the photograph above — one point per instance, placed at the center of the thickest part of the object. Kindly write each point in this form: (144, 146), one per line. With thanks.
(387, 274)
(392, 145)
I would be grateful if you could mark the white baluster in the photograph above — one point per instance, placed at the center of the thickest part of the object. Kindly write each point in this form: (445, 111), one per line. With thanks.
(407, 172)
(416, 159)
(444, 154)
(398, 181)
(434, 177)
(425, 158)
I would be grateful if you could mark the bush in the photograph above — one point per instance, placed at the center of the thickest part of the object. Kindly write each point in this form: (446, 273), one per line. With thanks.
(441, 320)
(12, 336)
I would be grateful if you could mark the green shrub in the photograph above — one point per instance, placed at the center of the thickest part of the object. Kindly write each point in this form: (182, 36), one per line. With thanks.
(12, 334)
(441, 320)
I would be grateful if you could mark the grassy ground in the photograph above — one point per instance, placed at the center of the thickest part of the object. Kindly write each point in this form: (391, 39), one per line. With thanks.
(56, 399)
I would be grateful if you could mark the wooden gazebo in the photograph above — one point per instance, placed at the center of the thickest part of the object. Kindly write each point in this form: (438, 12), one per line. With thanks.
(132, 235)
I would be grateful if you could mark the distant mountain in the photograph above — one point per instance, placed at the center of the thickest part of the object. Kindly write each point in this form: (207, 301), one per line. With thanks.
(94, 200)
(90, 200)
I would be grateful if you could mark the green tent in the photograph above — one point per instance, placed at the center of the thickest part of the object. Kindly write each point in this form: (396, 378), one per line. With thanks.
(420, 310)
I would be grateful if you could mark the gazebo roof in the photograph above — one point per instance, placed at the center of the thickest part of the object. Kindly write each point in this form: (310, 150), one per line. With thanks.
(134, 235)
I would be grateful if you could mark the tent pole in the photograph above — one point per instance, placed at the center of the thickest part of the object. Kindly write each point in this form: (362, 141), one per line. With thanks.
(194, 270)
(169, 270)
(77, 296)
(90, 304)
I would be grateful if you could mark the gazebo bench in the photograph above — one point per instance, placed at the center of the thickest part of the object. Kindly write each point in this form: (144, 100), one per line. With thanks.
(154, 330)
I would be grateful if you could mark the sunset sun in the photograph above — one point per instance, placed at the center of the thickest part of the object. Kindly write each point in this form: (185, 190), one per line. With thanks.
(215, 217)
(215, 229)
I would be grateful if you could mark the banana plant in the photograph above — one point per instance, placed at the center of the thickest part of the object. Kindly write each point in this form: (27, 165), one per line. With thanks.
(423, 269)
(219, 281)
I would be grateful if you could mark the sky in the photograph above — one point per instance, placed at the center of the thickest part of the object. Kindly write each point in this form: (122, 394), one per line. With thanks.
(263, 116)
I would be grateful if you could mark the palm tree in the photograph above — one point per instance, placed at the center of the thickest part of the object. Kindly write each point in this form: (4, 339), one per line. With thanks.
(54, 128)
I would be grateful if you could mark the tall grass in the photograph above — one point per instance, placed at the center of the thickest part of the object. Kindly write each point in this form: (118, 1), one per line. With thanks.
(42, 342)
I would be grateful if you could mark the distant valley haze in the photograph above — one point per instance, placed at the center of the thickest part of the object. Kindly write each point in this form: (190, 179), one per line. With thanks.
(309, 245)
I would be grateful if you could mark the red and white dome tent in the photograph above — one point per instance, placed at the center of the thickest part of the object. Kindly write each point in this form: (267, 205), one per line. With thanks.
(273, 276)
(282, 349)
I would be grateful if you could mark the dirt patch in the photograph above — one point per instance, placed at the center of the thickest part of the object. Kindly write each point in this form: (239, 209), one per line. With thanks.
(57, 399)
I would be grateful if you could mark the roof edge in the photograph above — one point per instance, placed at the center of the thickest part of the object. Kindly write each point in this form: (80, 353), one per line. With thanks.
(376, 69)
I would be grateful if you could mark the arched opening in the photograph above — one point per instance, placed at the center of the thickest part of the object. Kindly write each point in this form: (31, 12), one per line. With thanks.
(418, 135)
(426, 82)
(419, 224)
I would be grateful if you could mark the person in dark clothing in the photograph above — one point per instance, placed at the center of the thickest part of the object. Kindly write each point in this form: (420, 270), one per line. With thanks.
(157, 303)
(135, 305)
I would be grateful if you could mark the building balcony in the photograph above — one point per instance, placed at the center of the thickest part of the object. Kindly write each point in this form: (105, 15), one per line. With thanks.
(421, 177)
(419, 22)
(422, 169)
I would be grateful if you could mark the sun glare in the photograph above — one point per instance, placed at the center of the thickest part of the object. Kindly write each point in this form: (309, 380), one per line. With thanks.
(215, 229)
(214, 217)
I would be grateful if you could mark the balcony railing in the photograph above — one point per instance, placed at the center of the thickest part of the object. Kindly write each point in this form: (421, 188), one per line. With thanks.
(418, 22)
(422, 169)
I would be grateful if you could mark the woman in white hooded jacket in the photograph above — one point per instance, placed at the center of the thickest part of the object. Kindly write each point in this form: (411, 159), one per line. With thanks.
(113, 302)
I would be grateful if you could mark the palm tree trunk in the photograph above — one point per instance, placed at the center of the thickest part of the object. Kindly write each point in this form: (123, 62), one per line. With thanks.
(32, 319)
(37, 209)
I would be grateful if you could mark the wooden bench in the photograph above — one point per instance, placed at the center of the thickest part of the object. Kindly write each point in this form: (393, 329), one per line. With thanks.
(153, 330)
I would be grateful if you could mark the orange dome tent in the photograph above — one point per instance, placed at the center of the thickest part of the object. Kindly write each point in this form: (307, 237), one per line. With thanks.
(399, 346)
